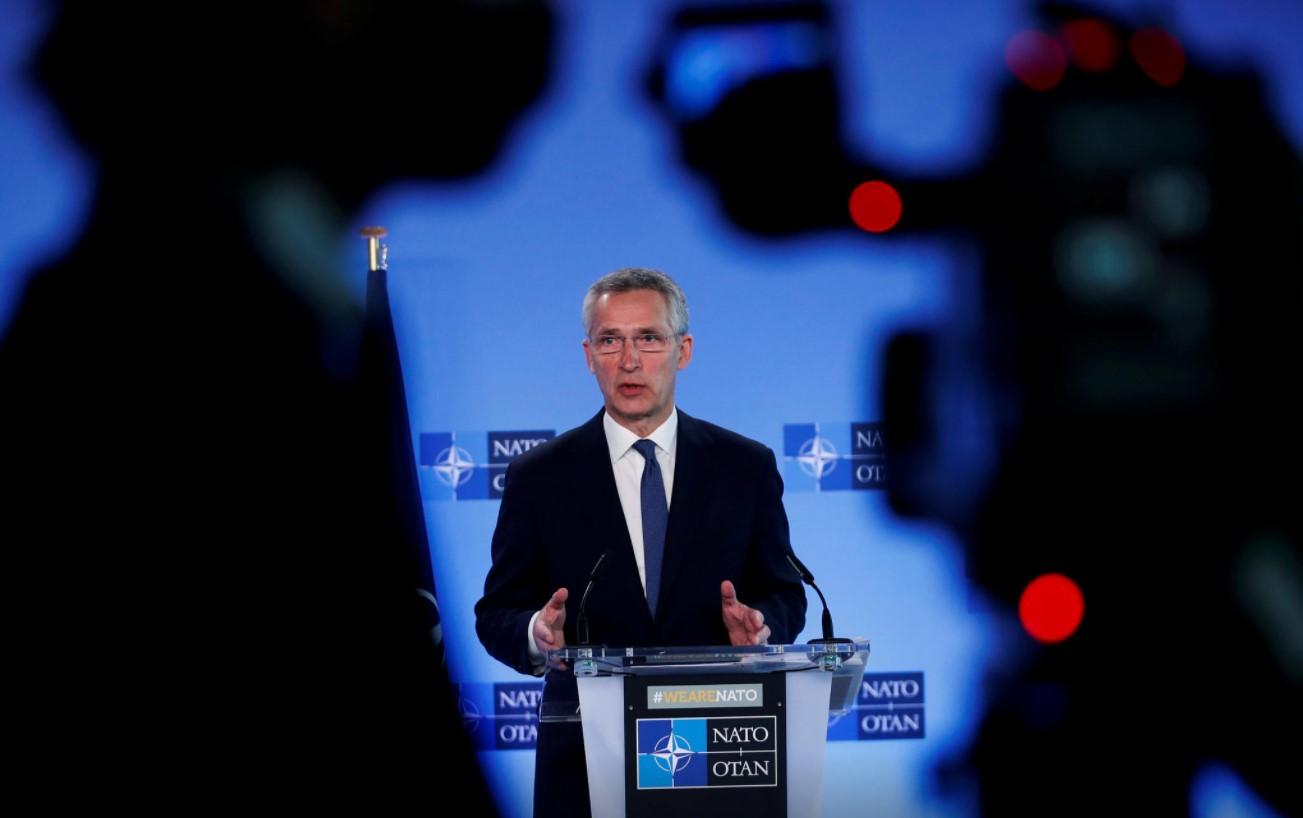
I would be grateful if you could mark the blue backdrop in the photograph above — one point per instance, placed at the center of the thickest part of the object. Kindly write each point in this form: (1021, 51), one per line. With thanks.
(486, 278)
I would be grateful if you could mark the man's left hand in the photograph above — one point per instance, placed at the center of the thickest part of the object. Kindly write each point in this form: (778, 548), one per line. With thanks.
(746, 625)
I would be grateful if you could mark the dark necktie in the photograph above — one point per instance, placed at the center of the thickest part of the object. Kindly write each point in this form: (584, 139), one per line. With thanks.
(655, 516)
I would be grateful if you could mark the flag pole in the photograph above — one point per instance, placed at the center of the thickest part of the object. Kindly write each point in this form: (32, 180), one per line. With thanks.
(377, 250)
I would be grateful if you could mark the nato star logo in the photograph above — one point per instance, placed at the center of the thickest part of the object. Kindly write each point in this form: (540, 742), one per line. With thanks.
(453, 466)
(817, 457)
(470, 714)
(672, 753)
(475, 705)
(666, 748)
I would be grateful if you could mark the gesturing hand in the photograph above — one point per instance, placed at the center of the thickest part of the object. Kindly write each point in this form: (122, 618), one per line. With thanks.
(746, 625)
(549, 627)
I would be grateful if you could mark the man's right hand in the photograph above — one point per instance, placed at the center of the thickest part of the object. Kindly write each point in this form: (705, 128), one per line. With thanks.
(549, 627)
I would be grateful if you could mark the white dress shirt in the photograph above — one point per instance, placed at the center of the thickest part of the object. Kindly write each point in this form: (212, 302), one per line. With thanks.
(627, 465)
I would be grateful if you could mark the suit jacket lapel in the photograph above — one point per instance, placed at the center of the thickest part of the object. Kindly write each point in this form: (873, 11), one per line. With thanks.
(693, 476)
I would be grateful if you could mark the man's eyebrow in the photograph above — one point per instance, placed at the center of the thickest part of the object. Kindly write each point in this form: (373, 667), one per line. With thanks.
(653, 330)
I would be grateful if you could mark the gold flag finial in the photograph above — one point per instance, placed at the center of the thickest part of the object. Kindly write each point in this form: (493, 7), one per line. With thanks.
(377, 249)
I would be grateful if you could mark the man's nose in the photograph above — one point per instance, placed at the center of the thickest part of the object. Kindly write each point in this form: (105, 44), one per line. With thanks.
(629, 356)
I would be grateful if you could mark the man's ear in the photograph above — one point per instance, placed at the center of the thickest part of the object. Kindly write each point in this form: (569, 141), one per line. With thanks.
(588, 357)
(685, 350)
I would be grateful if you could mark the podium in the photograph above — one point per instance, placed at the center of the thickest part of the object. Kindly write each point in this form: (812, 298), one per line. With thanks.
(708, 730)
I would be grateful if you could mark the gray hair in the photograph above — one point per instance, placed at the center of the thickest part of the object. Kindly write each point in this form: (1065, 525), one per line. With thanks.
(629, 279)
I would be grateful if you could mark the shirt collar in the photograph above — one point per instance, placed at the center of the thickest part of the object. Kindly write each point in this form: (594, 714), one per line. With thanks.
(620, 440)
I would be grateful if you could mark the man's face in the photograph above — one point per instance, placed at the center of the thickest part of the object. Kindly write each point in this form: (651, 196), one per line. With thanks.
(638, 387)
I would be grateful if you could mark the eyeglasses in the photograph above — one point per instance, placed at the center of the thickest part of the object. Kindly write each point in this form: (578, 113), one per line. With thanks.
(646, 342)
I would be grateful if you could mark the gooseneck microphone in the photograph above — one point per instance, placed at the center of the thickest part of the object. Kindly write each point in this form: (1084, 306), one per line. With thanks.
(581, 626)
(808, 579)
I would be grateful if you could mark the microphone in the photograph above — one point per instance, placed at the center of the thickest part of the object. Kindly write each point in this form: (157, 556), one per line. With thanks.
(581, 625)
(808, 579)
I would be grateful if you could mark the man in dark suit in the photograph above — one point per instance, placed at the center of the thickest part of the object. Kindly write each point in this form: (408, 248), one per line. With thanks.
(685, 518)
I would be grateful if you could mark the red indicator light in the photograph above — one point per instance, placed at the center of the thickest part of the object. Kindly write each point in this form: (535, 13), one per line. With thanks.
(1159, 55)
(1051, 608)
(875, 206)
(1092, 45)
(1036, 59)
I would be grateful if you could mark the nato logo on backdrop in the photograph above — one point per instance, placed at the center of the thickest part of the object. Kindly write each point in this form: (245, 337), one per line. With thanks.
(471, 465)
(834, 457)
(501, 715)
(889, 706)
